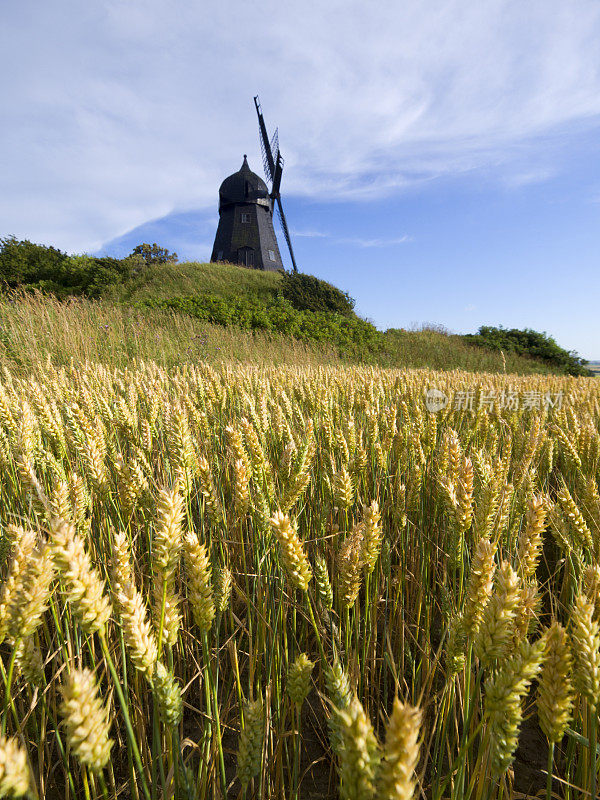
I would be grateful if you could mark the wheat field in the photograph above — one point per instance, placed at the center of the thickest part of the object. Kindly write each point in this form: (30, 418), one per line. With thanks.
(286, 582)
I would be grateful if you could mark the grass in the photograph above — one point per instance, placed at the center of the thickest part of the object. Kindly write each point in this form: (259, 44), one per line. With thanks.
(295, 581)
(179, 285)
(231, 297)
(433, 349)
(293, 305)
(227, 281)
(35, 328)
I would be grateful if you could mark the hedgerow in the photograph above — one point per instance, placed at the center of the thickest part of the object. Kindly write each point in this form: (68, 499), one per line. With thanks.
(350, 335)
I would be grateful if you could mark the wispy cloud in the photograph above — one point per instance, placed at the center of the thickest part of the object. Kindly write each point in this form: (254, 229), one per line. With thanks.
(310, 234)
(528, 177)
(116, 116)
(356, 241)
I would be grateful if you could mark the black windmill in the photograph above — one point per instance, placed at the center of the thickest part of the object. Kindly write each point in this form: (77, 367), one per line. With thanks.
(245, 234)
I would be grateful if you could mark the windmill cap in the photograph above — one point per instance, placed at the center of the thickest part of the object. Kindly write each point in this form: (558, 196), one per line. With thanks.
(243, 186)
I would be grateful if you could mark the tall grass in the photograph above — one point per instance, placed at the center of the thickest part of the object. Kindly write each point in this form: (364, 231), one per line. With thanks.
(228, 281)
(441, 350)
(35, 328)
(295, 581)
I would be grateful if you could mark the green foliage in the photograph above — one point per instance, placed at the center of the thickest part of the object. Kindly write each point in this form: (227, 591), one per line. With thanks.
(164, 281)
(89, 276)
(353, 337)
(24, 265)
(153, 254)
(436, 349)
(530, 343)
(307, 293)
(292, 305)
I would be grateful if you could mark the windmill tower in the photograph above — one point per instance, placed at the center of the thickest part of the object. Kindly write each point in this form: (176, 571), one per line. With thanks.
(245, 234)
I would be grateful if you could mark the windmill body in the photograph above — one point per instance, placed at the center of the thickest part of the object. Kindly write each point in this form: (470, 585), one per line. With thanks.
(245, 234)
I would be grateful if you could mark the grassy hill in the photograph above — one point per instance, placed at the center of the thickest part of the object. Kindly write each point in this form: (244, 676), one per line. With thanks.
(249, 309)
(36, 328)
(176, 312)
(230, 295)
(167, 281)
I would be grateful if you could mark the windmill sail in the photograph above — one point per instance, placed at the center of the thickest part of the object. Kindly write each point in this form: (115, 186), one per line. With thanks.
(275, 144)
(273, 165)
(265, 145)
(277, 175)
(286, 232)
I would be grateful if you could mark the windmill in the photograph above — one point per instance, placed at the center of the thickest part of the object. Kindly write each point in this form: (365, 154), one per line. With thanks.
(273, 165)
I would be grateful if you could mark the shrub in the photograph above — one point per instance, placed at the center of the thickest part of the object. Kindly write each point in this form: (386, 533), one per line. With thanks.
(34, 266)
(90, 276)
(26, 263)
(352, 336)
(307, 293)
(531, 343)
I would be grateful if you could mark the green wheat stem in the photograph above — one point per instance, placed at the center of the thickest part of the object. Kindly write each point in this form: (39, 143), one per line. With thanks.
(130, 734)
(215, 713)
(550, 769)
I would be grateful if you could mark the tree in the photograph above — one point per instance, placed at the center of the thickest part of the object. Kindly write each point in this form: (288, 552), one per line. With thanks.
(25, 265)
(23, 262)
(153, 254)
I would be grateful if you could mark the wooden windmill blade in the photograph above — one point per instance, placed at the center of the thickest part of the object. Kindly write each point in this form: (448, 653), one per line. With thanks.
(265, 145)
(273, 165)
(277, 176)
(286, 232)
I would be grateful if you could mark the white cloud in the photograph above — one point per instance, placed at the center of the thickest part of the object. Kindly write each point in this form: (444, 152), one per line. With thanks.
(360, 242)
(357, 241)
(310, 234)
(526, 177)
(121, 111)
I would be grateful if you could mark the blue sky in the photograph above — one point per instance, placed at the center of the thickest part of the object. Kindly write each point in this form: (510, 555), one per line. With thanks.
(442, 167)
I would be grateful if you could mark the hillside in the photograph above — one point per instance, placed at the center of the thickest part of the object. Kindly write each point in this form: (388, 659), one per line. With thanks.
(244, 305)
(36, 329)
(230, 295)
(166, 281)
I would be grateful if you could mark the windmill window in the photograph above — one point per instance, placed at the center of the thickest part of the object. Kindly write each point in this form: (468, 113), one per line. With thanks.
(220, 255)
(272, 255)
(245, 216)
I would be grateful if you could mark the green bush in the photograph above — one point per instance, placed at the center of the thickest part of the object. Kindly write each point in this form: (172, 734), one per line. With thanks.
(307, 293)
(530, 343)
(24, 265)
(352, 336)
